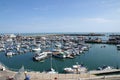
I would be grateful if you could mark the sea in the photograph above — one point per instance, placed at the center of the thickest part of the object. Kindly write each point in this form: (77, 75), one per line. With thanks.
(95, 57)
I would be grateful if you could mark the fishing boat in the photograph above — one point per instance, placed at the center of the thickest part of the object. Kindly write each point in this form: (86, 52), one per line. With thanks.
(75, 69)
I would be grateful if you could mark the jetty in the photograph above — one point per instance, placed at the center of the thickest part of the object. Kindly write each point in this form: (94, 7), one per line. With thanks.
(99, 72)
(33, 75)
(44, 76)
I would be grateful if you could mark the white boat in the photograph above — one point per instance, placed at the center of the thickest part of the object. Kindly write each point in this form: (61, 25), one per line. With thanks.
(58, 45)
(56, 50)
(9, 53)
(36, 49)
(80, 51)
(76, 69)
(68, 70)
(2, 49)
(84, 48)
(51, 71)
(105, 68)
(40, 56)
(118, 47)
(61, 55)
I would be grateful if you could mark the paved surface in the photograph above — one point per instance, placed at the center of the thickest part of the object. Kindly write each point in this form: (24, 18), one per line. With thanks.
(44, 76)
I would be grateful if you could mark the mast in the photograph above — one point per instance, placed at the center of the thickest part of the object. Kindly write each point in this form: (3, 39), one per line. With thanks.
(51, 62)
(51, 56)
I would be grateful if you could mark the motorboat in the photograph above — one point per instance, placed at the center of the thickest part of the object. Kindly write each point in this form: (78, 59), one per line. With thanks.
(118, 47)
(105, 68)
(40, 56)
(36, 49)
(59, 55)
(10, 53)
(76, 69)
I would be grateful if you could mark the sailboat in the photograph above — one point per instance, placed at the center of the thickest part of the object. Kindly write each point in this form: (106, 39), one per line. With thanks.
(51, 71)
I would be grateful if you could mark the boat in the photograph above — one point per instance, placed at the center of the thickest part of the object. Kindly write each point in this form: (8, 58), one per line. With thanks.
(40, 56)
(118, 47)
(36, 49)
(69, 54)
(105, 68)
(59, 55)
(2, 49)
(51, 70)
(84, 48)
(10, 53)
(56, 50)
(58, 45)
(77, 69)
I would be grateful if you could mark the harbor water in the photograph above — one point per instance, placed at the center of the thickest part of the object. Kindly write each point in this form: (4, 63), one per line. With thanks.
(95, 57)
(92, 59)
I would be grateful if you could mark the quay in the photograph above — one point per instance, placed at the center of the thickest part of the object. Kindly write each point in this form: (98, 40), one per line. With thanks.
(99, 72)
(33, 75)
(43, 76)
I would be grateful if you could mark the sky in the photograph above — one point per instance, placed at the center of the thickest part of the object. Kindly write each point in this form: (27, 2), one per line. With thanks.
(48, 16)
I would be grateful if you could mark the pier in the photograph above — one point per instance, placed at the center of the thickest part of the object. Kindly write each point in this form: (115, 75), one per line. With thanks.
(97, 72)
(91, 75)
(44, 76)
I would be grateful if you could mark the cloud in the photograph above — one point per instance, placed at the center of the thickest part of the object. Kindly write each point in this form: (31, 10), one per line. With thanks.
(97, 20)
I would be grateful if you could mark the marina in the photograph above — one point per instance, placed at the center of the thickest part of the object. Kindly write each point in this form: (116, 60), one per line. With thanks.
(65, 50)
(57, 55)
(59, 40)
